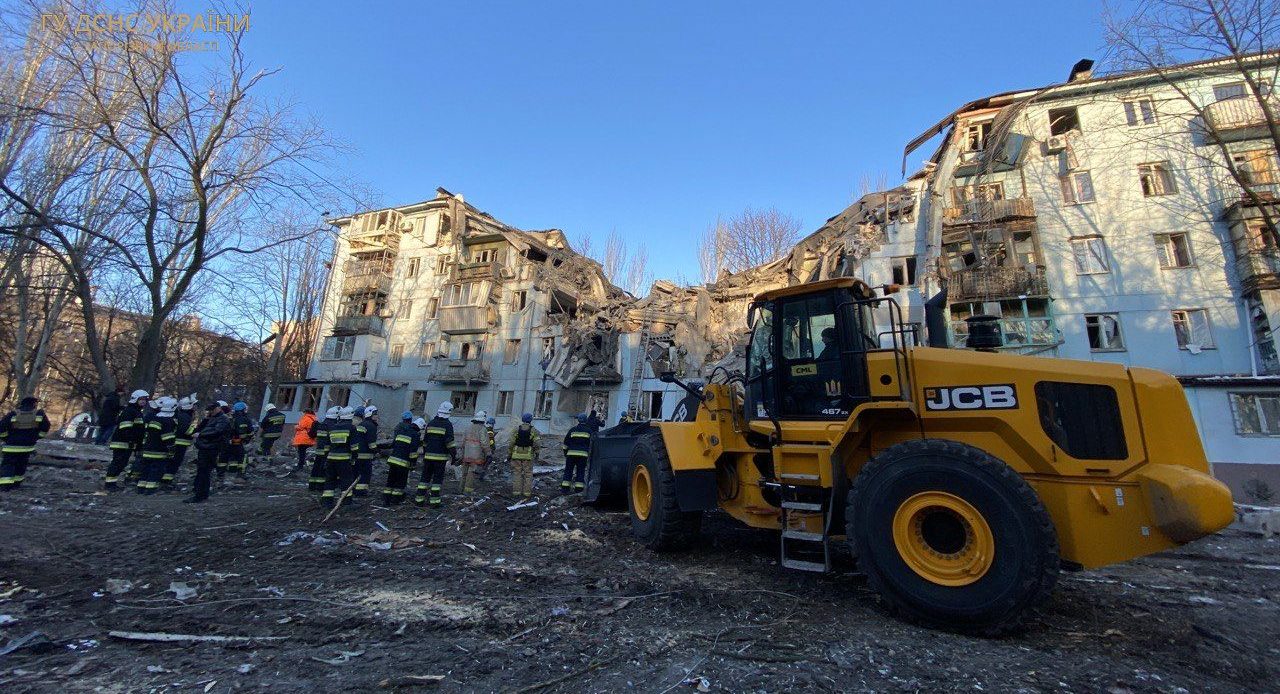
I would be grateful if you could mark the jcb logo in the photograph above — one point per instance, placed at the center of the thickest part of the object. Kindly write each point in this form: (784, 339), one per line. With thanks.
(996, 397)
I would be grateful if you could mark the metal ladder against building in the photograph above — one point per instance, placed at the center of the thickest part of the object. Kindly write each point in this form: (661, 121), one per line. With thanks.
(806, 507)
(637, 375)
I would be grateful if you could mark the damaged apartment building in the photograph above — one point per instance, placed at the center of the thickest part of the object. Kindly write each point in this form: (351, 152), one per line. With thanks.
(1098, 220)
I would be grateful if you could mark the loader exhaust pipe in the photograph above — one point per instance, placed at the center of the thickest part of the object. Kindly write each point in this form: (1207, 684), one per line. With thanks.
(935, 319)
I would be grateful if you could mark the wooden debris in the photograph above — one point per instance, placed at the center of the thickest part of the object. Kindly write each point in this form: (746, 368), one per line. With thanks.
(404, 681)
(161, 637)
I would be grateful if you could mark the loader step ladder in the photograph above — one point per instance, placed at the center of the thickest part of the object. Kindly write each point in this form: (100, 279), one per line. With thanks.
(806, 505)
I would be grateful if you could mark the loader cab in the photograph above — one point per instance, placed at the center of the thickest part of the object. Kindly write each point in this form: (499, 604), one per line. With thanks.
(806, 358)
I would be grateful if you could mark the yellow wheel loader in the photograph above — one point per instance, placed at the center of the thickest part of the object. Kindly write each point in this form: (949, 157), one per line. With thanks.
(962, 480)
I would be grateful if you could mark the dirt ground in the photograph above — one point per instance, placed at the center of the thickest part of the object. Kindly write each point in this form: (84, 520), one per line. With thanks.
(555, 597)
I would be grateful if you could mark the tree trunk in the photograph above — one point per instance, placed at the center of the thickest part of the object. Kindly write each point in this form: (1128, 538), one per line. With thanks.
(147, 365)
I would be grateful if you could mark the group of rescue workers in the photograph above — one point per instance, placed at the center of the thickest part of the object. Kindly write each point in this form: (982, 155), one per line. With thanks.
(150, 436)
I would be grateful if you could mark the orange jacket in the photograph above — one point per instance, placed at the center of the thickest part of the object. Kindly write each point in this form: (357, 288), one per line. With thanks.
(302, 431)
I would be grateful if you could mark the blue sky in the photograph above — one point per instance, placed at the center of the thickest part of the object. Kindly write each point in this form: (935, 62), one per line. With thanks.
(650, 118)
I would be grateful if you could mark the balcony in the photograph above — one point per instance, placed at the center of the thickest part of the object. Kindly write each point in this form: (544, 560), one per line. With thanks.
(1030, 334)
(991, 283)
(988, 211)
(459, 371)
(1259, 269)
(358, 325)
(1232, 120)
(463, 272)
(463, 319)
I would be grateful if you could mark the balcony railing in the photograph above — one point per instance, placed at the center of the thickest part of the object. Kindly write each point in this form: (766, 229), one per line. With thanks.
(477, 271)
(1234, 119)
(463, 319)
(358, 325)
(983, 211)
(1259, 267)
(990, 283)
(459, 371)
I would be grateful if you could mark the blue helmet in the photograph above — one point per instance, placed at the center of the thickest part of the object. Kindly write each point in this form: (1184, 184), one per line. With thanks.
(526, 417)
(491, 421)
(582, 419)
(239, 407)
(406, 415)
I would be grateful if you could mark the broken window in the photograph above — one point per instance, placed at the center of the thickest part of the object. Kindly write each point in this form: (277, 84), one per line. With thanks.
(542, 405)
(519, 299)
(512, 353)
(548, 348)
(959, 253)
(406, 309)
(985, 192)
(1174, 250)
(1256, 166)
(904, 270)
(1256, 414)
(411, 267)
(1024, 249)
(1090, 254)
(506, 398)
(484, 256)
(396, 356)
(285, 396)
(1140, 111)
(1261, 238)
(1231, 90)
(651, 404)
(464, 401)
(1063, 120)
(442, 265)
(1156, 179)
(1077, 188)
(461, 294)
(973, 137)
(418, 401)
(338, 347)
(339, 396)
(433, 307)
(425, 353)
(1191, 327)
(311, 397)
(1104, 332)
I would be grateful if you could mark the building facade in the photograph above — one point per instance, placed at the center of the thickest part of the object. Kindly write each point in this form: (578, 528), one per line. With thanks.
(1099, 219)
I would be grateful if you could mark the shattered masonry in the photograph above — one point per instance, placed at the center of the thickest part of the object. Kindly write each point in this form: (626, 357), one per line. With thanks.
(440, 301)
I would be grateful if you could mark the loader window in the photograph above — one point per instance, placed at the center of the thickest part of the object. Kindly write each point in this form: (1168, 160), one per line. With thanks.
(813, 385)
(761, 381)
(1083, 419)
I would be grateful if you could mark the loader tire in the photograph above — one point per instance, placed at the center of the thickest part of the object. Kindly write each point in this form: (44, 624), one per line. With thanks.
(951, 537)
(656, 519)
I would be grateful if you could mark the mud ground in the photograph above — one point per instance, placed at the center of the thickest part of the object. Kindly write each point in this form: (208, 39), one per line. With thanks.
(555, 597)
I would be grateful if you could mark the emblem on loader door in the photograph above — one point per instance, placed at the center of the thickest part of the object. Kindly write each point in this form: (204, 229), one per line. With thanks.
(991, 397)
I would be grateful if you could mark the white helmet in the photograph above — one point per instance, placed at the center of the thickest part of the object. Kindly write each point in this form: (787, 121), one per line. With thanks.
(445, 409)
(155, 402)
(346, 413)
(223, 404)
(137, 395)
(188, 402)
(370, 410)
(332, 412)
(166, 405)
(420, 423)
(479, 416)
(271, 406)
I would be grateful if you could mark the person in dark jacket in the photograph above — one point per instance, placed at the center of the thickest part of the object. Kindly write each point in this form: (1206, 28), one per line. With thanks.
(366, 449)
(127, 437)
(108, 415)
(319, 458)
(405, 441)
(577, 447)
(340, 455)
(211, 437)
(272, 425)
(157, 444)
(184, 427)
(242, 427)
(438, 449)
(19, 431)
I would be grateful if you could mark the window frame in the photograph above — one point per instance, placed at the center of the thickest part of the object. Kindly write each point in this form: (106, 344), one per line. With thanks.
(1133, 111)
(1233, 400)
(1208, 327)
(342, 402)
(283, 403)
(1246, 170)
(511, 351)
(907, 267)
(1068, 182)
(416, 403)
(519, 300)
(442, 263)
(1055, 130)
(1098, 327)
(1088, 241)
(412, 266)
(395, 357)
(504, 404)
(1156, 171)
(327, 354)
(426, 352)
(460, 399)
(1164, 242)
(545, 400)
(312, 397)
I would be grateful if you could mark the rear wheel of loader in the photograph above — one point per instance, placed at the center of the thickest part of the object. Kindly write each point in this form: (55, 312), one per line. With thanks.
(656, 519)
(951, 537)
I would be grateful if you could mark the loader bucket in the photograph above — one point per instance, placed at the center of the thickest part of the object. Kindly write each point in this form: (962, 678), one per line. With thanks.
(607, 466)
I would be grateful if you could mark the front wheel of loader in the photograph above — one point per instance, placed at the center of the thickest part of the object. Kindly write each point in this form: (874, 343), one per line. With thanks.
(656, 519)
(951, 537)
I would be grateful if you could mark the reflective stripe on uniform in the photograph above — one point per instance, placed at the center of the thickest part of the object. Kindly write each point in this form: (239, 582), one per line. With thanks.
(403, 439)
(154, 455)
(575, 454)
(399, 462)
(436, 430)
(435, 456)
(120, 445)
(339, 456)
(182, 442)
(18, 449)
(580, 435)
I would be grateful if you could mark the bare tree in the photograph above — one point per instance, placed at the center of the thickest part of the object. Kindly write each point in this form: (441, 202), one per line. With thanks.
(750, 238)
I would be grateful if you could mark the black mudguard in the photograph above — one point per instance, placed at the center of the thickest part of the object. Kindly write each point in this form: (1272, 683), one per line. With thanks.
(608, 464)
